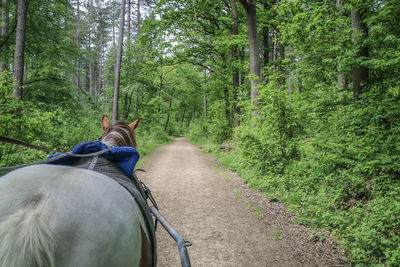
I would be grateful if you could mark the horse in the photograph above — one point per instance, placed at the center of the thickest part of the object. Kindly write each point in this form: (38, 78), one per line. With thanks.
(53, 215)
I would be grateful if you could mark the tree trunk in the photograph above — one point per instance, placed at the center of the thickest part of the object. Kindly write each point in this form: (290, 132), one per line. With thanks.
(290, 83)
(299, 82)
(275, 50)
(251, 16)
(118, 64)
(205, 96)
(128, 22)
(128, 107)
(19, 53)
(5, 19)
(100, 61)
(360, 33)
(242, 74)
(125, 106)
(91, 87)
(282, 79)
(235, 71)
(341, 79)
(265, 33)
(168, 114)
(227, 106)
(139, 19)
(78, 41)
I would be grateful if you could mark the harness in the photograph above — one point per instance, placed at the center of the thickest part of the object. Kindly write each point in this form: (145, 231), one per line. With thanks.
(132, 185)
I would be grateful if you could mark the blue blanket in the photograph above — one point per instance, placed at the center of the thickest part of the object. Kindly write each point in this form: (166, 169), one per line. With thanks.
(125, 158)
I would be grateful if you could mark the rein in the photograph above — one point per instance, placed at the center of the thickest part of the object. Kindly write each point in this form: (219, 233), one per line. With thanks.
(45, 149)
(21, 143)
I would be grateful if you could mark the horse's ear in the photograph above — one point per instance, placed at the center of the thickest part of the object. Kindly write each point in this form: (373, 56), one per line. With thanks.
(134, 124)
(105, 122)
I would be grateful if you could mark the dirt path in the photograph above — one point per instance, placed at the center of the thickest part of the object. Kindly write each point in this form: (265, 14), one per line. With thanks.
(228, 224)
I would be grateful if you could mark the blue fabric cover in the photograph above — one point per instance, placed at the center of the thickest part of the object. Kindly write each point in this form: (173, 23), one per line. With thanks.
(125, 158)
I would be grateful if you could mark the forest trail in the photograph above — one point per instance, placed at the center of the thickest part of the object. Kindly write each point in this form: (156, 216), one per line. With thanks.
(229, 224)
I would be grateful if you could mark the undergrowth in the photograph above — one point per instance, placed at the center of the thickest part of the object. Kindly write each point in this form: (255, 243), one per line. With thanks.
(345, 178)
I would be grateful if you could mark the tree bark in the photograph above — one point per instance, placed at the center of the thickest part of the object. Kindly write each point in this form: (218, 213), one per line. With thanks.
(19, 54)
(168, 114)
(91, 87)
(235, 71)
(205, 95)
(251, 16)
(128, 21)
(139, 19)
(128, 108)
(5, 19)
(290, 83)
(299, 82)
(275, 49)
(341, 79)
(100, 61)
(282, 79)
(227, 106)
(124, 106)
(78, 41)
(118, 64)
(265, 33)
(360, 33)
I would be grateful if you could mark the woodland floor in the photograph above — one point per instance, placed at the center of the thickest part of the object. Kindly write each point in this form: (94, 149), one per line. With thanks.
(228, 223)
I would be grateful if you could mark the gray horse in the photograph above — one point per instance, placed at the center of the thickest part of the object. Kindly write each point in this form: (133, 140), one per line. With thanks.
(53, 215)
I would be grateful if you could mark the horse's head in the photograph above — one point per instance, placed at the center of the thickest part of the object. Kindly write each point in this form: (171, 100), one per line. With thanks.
(119, 133)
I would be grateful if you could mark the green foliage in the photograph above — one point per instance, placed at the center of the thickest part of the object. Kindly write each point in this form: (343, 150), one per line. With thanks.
(218, 125)
(33, 122)
(268, 142)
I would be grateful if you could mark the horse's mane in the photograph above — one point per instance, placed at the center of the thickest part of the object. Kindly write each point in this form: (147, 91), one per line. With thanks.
(119, 134)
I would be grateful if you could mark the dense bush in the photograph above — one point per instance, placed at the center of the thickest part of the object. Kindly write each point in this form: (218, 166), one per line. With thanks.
(41, 124)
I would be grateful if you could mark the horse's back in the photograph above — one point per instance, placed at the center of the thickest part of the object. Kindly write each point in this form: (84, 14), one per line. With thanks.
(85, 218)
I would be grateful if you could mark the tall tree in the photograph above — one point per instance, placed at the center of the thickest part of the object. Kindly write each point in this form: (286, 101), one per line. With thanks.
(128, 21)
(101, 52)
(139, 17)
(118, 64)
(235, 69)
(342, 79)
(91, 83)
(19, 54)
(78, 42)
(251, 16)
(205, 94)
(360, 33)
(265, 36)
(5, 18)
